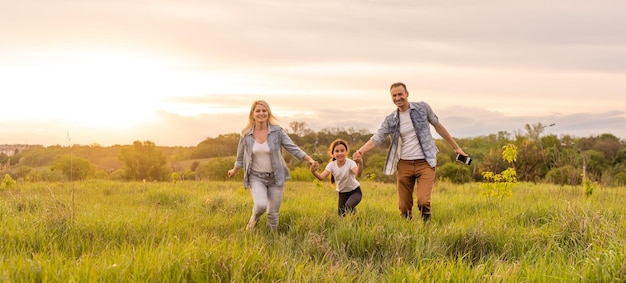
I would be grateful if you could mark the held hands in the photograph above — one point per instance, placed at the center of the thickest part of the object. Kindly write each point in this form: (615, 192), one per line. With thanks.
(359, 161)
(314, 167)
(357, 156)
(312, 163)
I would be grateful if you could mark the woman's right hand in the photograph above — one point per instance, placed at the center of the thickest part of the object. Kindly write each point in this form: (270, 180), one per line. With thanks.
(232, 172)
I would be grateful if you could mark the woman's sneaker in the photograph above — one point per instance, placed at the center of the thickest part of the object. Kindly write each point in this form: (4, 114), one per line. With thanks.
(251, 224)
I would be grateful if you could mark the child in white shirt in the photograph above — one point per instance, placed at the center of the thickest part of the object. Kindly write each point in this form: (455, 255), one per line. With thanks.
(343, 172)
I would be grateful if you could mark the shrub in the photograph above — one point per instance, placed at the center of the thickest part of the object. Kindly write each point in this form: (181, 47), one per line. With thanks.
(501, 184)
(456, 173)
(215, 169)
(8, 182)
(589, 186)
(620, 178)
(565, 175)
(302, 174)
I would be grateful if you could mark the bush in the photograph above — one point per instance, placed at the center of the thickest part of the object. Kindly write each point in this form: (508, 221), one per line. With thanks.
(215, 169)
(456, 173)
(500, 185)
(74, 168)
(302, 174)
(51, 176)
(620, 178)
(8, 182)
(589, 187)
(565, 175)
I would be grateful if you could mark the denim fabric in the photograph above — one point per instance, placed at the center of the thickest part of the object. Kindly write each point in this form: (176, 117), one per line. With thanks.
(421, 116)
(277, 139)
(267, 197)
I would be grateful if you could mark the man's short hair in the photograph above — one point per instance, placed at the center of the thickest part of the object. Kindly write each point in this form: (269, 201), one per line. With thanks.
(397, 85)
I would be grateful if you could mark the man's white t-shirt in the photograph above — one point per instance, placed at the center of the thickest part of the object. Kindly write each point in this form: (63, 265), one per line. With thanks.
(410, 148)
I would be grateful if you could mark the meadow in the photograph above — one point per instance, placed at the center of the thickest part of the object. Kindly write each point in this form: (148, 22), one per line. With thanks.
(108, 231)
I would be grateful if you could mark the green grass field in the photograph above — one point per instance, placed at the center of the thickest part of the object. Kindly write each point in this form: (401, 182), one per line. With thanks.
(194, 232)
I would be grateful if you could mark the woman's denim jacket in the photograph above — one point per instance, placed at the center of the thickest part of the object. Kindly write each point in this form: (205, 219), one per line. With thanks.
(276, 139)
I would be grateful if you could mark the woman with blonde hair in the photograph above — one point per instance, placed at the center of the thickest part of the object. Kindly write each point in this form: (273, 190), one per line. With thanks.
(259, 153)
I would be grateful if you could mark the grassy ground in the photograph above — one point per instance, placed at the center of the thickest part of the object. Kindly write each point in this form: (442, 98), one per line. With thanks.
(194, 231)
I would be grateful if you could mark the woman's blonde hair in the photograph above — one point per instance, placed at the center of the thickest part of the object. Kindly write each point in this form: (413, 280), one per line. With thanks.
(271, 120)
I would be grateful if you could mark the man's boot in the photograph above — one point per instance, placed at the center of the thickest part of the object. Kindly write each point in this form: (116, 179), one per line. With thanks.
(407, 215)
(425, 212)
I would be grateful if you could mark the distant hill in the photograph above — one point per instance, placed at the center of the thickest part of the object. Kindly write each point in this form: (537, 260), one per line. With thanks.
(12, 149)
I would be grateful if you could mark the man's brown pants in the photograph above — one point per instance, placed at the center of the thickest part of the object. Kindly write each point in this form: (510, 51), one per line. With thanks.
(415, 175)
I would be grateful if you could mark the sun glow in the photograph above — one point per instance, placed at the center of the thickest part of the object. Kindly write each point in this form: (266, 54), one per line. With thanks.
(112, 90)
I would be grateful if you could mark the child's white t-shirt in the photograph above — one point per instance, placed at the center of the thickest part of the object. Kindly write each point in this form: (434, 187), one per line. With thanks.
(345, 180)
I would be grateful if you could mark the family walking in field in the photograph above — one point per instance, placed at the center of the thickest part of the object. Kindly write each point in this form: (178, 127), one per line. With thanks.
(412, 155)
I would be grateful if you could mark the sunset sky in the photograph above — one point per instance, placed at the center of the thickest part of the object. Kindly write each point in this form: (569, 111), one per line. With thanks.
(176, 72)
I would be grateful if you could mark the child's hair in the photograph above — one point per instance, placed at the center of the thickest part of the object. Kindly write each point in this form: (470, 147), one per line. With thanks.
(331, 149)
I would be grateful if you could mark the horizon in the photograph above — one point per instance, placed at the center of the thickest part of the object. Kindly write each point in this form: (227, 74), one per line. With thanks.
(546, 132)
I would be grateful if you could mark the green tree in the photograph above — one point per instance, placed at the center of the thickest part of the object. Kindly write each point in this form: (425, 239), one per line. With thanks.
(493, 162)
(39, 156)
(608, 144)
(143, 161)
(4, 159)
(373, 168)
(549, 148)
(221, 146)
(73, 168)
(535, 130)
(564, 175)
(215, 169)
(620, 157)
(620, 177)
(597, 164)
(299, 129)
(530, 161)
(456, 173)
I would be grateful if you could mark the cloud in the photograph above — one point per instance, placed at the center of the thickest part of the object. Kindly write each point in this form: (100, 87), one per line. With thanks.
(328, 63)
(472, 122)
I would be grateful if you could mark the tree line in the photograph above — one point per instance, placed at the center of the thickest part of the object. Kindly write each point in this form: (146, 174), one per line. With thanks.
(564, 160)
